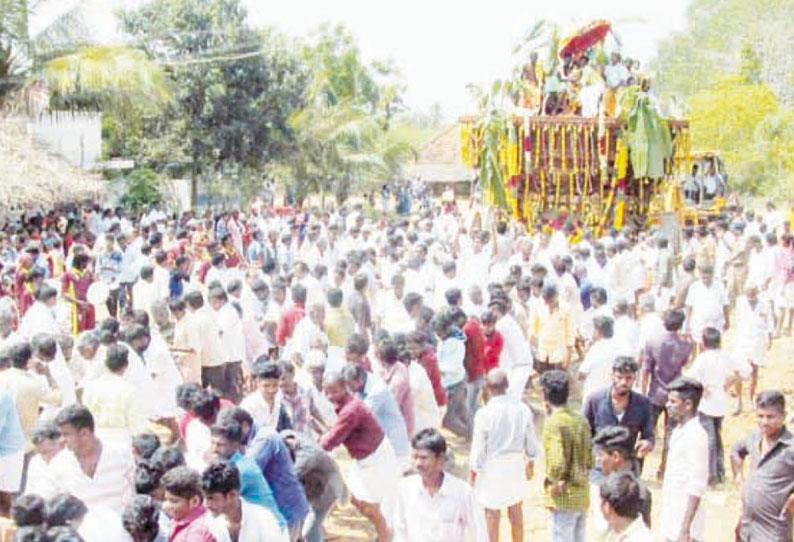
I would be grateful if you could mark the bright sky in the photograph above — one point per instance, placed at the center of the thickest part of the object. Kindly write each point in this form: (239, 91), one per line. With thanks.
(442, 45)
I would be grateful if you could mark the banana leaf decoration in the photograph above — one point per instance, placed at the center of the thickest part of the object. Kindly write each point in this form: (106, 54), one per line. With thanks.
(647, 135)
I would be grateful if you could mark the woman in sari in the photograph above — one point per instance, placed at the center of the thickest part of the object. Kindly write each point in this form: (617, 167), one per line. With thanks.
(74, 285)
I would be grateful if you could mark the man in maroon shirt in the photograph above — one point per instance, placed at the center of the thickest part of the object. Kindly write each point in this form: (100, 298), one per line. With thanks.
(662, 361)
(474, 361)
(291, 316)
(424, 356)
(183, 504)
(374, 474)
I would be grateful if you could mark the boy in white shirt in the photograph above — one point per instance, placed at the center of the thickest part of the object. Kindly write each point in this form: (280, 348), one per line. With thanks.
(620, 504)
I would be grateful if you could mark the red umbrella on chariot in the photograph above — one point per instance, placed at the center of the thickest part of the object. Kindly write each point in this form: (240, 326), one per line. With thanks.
(580, 41)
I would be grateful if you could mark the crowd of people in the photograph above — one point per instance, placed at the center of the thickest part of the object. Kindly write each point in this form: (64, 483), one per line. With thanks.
(193, 378)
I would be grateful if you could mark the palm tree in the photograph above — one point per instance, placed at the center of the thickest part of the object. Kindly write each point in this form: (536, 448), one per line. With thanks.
(64, 58)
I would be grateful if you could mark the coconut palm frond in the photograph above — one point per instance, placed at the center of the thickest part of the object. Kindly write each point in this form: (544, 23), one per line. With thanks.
(66, 33)
(104, 69)
(535, 32)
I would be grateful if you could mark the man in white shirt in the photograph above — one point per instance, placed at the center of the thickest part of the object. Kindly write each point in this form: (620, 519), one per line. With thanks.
(234, 518)
(95, 472)
(596, 368)
(706, 304)
(230, 324)
(516, 357)
(144, 291)
(502, 457)
(687, 472)
(434, 505)
(40, 317)
(627, 331)
(204, 322)
(717, 371)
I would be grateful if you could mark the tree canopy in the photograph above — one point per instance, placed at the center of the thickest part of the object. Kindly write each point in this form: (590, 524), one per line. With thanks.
(732, 67)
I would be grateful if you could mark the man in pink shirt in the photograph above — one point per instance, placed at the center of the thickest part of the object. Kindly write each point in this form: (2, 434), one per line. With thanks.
(395, 373)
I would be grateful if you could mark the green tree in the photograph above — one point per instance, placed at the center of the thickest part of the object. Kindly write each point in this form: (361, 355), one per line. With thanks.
(732, 65)
(234, 88)
(141, 189)
(343, 135)
(77, 72)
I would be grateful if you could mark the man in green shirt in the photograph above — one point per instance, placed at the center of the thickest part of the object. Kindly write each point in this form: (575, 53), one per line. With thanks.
(566, 448)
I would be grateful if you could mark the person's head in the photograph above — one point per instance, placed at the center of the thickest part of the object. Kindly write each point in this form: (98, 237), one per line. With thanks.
(683, 398)
(299, 294)
(388, 353)
(317, 314)
(76, 426)
(140, 518)
(356, 347)
(220, 484)
(673, 320)
(614, 448)
(413, 304)
(227, 438)
(598, 297)
(549, 295)
(770, 412)
(47, 295)
(712, 338)
(261, 289)
(475, 294)
(555, 387)
(496, 382)
(335, 388)
(689, 264)
(144, 445)
(429, 452)
(239, 415)
(205, 405)
(335, 297)
(45, 347)
(148, 476)
(194, 300)
(29, 511)
(65, 509)
(453, 296)
(355, 377)
(182, 487)
(217, 297)
(620, 498)
(117, 359)
(267, 375)
(47, 440)
(707, 274)
(624, 374)
(137, 336)
(20, 355)
(168, 457)
(604, 327)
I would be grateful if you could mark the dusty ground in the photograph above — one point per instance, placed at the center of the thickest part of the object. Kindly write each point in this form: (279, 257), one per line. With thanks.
(722, 504)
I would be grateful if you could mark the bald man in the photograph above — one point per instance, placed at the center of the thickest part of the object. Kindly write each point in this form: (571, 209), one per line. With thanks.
(503, 451)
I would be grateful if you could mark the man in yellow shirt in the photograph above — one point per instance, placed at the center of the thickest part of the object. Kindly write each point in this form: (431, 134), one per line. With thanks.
(113, 401)
(339, 323)
(551, 333)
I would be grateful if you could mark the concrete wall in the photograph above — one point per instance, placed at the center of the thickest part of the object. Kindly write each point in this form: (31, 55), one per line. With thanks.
(77, 137)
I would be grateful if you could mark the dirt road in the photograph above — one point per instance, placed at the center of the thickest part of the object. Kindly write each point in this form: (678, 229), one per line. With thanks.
(722, 504)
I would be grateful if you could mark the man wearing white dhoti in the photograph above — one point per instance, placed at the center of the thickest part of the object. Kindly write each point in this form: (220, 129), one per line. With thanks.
(502, 457)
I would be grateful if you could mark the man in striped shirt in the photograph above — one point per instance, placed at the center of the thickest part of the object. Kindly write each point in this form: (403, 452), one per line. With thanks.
(96, 472)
